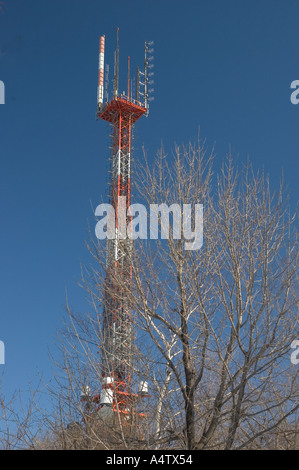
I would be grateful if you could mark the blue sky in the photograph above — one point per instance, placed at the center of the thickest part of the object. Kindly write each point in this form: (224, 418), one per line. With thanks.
(222, 65)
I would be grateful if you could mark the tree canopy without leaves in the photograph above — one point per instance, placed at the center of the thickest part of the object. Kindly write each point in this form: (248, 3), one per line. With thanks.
(213, 326)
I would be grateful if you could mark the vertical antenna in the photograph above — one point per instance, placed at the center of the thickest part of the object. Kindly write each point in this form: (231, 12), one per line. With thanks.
(137, 85)
(116, 68)
(147, 65)
(101, 72)
(128, 79)
(106, 86)
(145, 76)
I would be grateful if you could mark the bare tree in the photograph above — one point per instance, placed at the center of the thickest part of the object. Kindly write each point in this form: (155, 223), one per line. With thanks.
(221, 318)
(20, 422)
(213, 325)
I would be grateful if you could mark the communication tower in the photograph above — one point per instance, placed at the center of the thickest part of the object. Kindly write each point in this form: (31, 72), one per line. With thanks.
(121, 111)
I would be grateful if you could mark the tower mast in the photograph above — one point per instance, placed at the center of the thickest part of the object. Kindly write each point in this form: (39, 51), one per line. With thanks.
(121, 112)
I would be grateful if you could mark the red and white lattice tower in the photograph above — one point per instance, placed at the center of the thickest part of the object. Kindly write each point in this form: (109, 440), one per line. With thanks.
(121, 112)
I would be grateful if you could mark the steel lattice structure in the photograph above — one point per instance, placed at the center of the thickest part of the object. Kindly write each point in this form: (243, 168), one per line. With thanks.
(121, 112)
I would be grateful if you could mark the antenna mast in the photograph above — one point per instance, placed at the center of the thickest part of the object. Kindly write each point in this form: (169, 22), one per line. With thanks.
(101, 72)
(116, 68)
(121, 112)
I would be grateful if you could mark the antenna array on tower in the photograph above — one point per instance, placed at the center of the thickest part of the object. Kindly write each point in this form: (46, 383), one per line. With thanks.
(144, 78)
